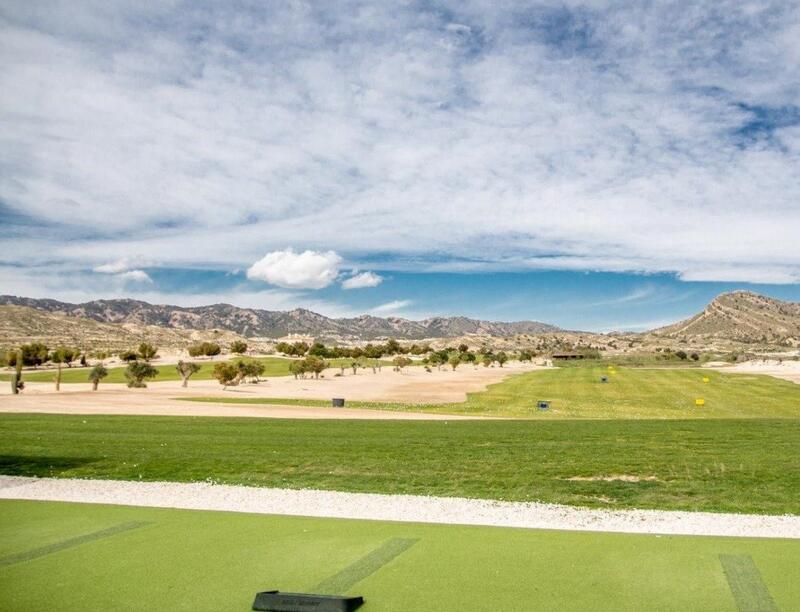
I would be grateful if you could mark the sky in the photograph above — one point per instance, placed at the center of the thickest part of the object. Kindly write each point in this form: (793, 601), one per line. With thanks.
(596, 165)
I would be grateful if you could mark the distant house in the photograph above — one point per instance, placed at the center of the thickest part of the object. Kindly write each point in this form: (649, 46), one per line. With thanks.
(568, 356)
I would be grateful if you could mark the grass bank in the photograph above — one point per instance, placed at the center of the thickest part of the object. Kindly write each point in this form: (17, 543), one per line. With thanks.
(716, 465)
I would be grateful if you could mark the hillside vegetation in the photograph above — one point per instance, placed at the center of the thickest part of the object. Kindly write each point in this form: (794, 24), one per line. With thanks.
(21, 325)
(743, 316)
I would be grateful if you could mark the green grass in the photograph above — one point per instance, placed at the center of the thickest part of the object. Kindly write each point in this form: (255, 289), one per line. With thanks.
(275, 366)
(215, 561)
(631, 393)
(745, 465)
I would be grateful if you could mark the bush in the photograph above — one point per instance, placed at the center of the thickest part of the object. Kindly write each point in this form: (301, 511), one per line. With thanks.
(147, 351)
(206, 349)
(137, 372)
(225, 373)
(239, 347)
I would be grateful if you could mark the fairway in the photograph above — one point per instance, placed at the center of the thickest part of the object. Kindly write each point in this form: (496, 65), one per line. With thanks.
(744, 465)
(631, 393)
(93, 558)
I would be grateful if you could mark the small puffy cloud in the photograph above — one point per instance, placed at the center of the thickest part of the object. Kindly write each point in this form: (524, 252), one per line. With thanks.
(306, 270)
(122, 269)
(391, 307)
(138, 276)
(362, 280)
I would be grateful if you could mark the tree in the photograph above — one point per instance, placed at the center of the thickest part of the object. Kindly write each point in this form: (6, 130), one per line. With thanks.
(33, 354)
(487, 360)
(59, 356)
(239, 347)
(97, 373)
(137, 372)
(248, 369)
(315, 364)
(695, 357)
(501, 358)
(319, 350)
(16, 379)
(681, 355)
(400, 362)
(525, 356)
(298, 368)
(147, 351)
(128, 355)
(226, 374)
(463, 348)
(185, 369)
(454, 361)
(392, 347)
(435, 359)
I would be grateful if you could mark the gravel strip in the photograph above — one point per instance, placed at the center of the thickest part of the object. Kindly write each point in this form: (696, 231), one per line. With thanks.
(409, 508)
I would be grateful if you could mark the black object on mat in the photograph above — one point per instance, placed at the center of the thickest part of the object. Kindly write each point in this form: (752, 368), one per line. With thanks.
(275, 601)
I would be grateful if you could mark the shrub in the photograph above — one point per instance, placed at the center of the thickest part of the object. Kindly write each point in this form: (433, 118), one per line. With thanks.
(137, 372)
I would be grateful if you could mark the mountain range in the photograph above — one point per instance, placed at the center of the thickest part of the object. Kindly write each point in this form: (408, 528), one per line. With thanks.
(739, 318)
(253, 322)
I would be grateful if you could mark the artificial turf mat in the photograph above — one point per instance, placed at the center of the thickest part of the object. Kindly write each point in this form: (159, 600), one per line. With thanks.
(196, 560)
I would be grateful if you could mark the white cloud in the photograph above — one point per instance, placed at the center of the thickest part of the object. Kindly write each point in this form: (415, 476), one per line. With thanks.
(139, 276)
(114, 267)
(306, 270)
(391, 307)
(601, 137)
(362, 280)
(122, 269)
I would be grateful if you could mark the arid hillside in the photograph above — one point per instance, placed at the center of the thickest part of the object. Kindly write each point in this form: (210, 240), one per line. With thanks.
(253, 322)
(741, 316)
(20, 325)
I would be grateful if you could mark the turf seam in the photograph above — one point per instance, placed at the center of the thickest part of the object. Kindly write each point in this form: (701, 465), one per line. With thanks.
(367, 565)
(42, 551)
(746, 584)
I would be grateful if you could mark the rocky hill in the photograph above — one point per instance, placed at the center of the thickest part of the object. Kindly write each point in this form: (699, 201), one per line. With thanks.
(251, 322)
(22, 324)
(741, 316)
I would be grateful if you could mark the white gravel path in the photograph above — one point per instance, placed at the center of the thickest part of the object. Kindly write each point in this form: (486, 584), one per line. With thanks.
(408, 508)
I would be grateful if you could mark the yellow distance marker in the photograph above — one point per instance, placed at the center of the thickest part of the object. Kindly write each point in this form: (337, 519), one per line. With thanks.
(699, 402)
(706, 379)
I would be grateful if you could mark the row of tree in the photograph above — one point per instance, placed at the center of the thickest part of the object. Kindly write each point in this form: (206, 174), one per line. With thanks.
(37, 353)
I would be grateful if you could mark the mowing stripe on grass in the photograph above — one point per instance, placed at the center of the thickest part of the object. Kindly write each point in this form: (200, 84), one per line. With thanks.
(70, 543)
(744, 579)
(367, 565)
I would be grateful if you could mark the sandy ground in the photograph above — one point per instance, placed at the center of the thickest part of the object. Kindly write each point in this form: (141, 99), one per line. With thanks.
(408, 508)
(414, 385)
(786, 370)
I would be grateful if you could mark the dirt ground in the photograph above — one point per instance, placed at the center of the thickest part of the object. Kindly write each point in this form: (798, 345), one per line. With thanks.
(414, 385)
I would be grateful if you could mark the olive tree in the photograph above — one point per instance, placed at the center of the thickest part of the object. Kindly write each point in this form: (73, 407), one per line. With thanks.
(185, 370)
(96, 374)
(139, 371)
(226, 374)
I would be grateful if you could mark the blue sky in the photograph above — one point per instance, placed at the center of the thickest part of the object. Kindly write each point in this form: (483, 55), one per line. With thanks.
(597, 165)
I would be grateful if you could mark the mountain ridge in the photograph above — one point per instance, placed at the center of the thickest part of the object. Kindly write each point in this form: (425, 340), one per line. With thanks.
(744, 316)
(254, 322)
